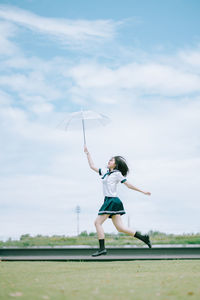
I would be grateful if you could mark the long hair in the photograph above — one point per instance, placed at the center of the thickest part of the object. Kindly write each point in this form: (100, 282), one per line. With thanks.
(121, 165)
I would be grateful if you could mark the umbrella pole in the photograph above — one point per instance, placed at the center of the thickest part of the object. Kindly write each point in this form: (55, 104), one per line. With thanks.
(83, 125)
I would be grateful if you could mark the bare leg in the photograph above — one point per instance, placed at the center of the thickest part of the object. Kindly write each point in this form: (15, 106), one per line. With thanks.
(98, 224)
(117, 221)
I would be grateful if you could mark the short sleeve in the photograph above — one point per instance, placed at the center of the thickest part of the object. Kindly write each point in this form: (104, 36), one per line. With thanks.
(120, 177)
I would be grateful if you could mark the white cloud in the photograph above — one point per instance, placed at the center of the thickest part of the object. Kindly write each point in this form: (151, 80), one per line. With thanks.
(67, 31)
(5, 99)
(32, 83)
(191, 57)
(7, 31)
(42, 108)
(147, 78)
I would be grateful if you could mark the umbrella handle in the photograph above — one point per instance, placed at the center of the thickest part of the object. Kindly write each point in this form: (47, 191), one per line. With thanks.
(83, 125)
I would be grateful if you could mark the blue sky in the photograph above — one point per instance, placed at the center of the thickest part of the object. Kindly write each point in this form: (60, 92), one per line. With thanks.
(170, 24)
(134, 61)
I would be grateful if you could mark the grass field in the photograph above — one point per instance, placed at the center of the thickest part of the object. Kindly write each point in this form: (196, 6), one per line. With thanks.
(91, 239)
(148, 280)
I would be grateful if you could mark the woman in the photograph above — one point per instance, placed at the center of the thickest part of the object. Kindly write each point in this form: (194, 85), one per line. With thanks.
(112, 206)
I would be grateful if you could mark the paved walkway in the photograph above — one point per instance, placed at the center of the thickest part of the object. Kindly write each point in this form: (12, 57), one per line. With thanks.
(84, 253)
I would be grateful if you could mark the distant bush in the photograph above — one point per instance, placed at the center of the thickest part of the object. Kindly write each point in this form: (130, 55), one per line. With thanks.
(24, 237)
(83, 233)
(92, 234)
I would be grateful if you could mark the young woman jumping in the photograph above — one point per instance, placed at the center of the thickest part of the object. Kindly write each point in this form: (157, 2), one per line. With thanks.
(112, 206)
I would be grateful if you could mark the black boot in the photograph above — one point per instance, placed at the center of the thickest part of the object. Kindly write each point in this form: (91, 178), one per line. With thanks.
(145, 238)
(102, 250)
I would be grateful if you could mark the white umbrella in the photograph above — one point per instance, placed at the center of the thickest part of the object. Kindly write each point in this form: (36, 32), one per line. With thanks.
(85, 116)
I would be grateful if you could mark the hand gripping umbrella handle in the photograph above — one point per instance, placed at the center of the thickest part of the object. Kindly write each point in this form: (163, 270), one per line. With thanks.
(83, 124)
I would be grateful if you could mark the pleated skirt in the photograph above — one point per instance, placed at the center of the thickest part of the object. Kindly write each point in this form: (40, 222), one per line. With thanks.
(112, 206)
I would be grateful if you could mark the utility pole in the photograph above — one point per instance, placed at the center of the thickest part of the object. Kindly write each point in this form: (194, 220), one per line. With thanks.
(78, 210)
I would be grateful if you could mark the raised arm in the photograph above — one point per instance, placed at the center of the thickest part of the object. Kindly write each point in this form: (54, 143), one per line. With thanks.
(91, 164)
(130, 186)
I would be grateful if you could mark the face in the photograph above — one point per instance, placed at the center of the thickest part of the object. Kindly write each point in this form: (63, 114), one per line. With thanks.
(111, 163)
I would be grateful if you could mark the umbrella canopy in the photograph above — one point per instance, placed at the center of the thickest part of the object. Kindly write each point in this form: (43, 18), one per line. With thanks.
(82, 117)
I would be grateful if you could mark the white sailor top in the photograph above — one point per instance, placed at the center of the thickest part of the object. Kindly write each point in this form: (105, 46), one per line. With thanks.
(110, 180)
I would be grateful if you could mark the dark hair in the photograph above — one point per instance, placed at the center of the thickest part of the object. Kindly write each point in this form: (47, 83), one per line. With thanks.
(121, 165)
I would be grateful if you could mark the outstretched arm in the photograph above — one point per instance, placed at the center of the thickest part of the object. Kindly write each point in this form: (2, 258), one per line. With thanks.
(130, 186)
(91, 164)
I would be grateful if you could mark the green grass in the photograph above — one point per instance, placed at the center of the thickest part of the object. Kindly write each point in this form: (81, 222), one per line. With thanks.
(146, 280)
(91, 239)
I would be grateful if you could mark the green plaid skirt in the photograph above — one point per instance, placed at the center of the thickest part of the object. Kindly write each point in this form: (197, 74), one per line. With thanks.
(112, 206)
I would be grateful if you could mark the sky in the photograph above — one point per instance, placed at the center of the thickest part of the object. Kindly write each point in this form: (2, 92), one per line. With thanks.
(138, 63)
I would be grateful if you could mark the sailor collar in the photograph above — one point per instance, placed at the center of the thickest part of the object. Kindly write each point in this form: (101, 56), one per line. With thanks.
(109, 172)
